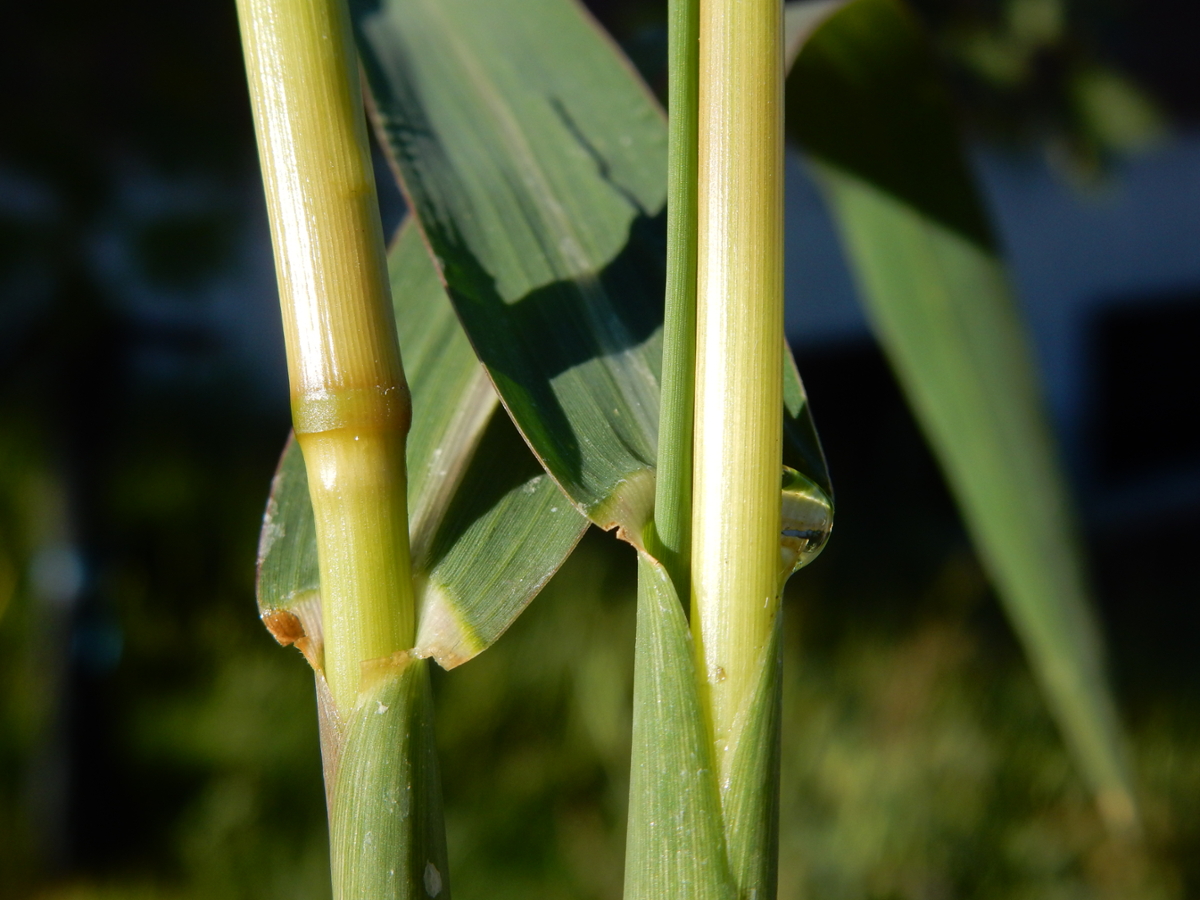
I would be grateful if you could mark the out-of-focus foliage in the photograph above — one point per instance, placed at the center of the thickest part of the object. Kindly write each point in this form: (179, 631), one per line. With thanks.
(870, 110)
(1038, 68)
(144, 729)
(176, 758)
(1085, 79)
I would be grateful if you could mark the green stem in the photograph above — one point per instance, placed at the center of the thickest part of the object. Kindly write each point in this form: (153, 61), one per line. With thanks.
(350, 402)
(673, 488)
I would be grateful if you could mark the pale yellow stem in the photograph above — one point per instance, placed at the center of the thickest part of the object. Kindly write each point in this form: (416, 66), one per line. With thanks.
(739, 402)
(350, 403)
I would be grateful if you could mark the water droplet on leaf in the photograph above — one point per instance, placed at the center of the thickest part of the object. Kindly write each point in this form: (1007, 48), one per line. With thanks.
(806, 522)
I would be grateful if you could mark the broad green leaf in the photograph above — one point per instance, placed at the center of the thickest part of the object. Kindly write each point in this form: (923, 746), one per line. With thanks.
(386, 836)
(488, 527)
(867, 104)
(675, 846)
(535, 161)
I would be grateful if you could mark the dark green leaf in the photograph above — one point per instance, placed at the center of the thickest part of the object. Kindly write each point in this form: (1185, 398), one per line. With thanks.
(536, 163)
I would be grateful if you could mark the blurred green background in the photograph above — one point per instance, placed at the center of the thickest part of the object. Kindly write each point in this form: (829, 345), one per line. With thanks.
(155, 743)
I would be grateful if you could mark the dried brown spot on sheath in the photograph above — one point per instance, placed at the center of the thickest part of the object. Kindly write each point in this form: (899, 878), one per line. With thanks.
(286, 627)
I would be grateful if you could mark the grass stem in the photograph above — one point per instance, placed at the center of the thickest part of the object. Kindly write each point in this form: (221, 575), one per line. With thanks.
(350, 402)
(673, 488)
(739, 364)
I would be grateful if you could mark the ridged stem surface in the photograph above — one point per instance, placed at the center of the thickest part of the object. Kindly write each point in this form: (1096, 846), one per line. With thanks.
(739, 345)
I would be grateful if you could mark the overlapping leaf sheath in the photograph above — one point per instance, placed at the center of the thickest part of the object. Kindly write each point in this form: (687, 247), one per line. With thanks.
(676, 842)
(388, 842)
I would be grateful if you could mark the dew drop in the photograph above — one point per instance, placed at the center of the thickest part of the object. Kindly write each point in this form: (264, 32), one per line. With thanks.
(807, 519)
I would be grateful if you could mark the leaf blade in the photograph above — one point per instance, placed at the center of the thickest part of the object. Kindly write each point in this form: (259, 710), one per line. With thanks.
(867, 104)
(558, 283)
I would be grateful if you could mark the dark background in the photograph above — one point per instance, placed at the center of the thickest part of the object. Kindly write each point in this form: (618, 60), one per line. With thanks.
(155, 743)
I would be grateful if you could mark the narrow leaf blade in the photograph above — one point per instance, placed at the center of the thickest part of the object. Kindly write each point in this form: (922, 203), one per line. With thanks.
(489, 527)
(867, 103)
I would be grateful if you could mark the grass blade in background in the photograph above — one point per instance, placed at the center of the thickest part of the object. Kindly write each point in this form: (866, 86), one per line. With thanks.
(535, 161)
(469, 472)
(800, 19)
(867, 104)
